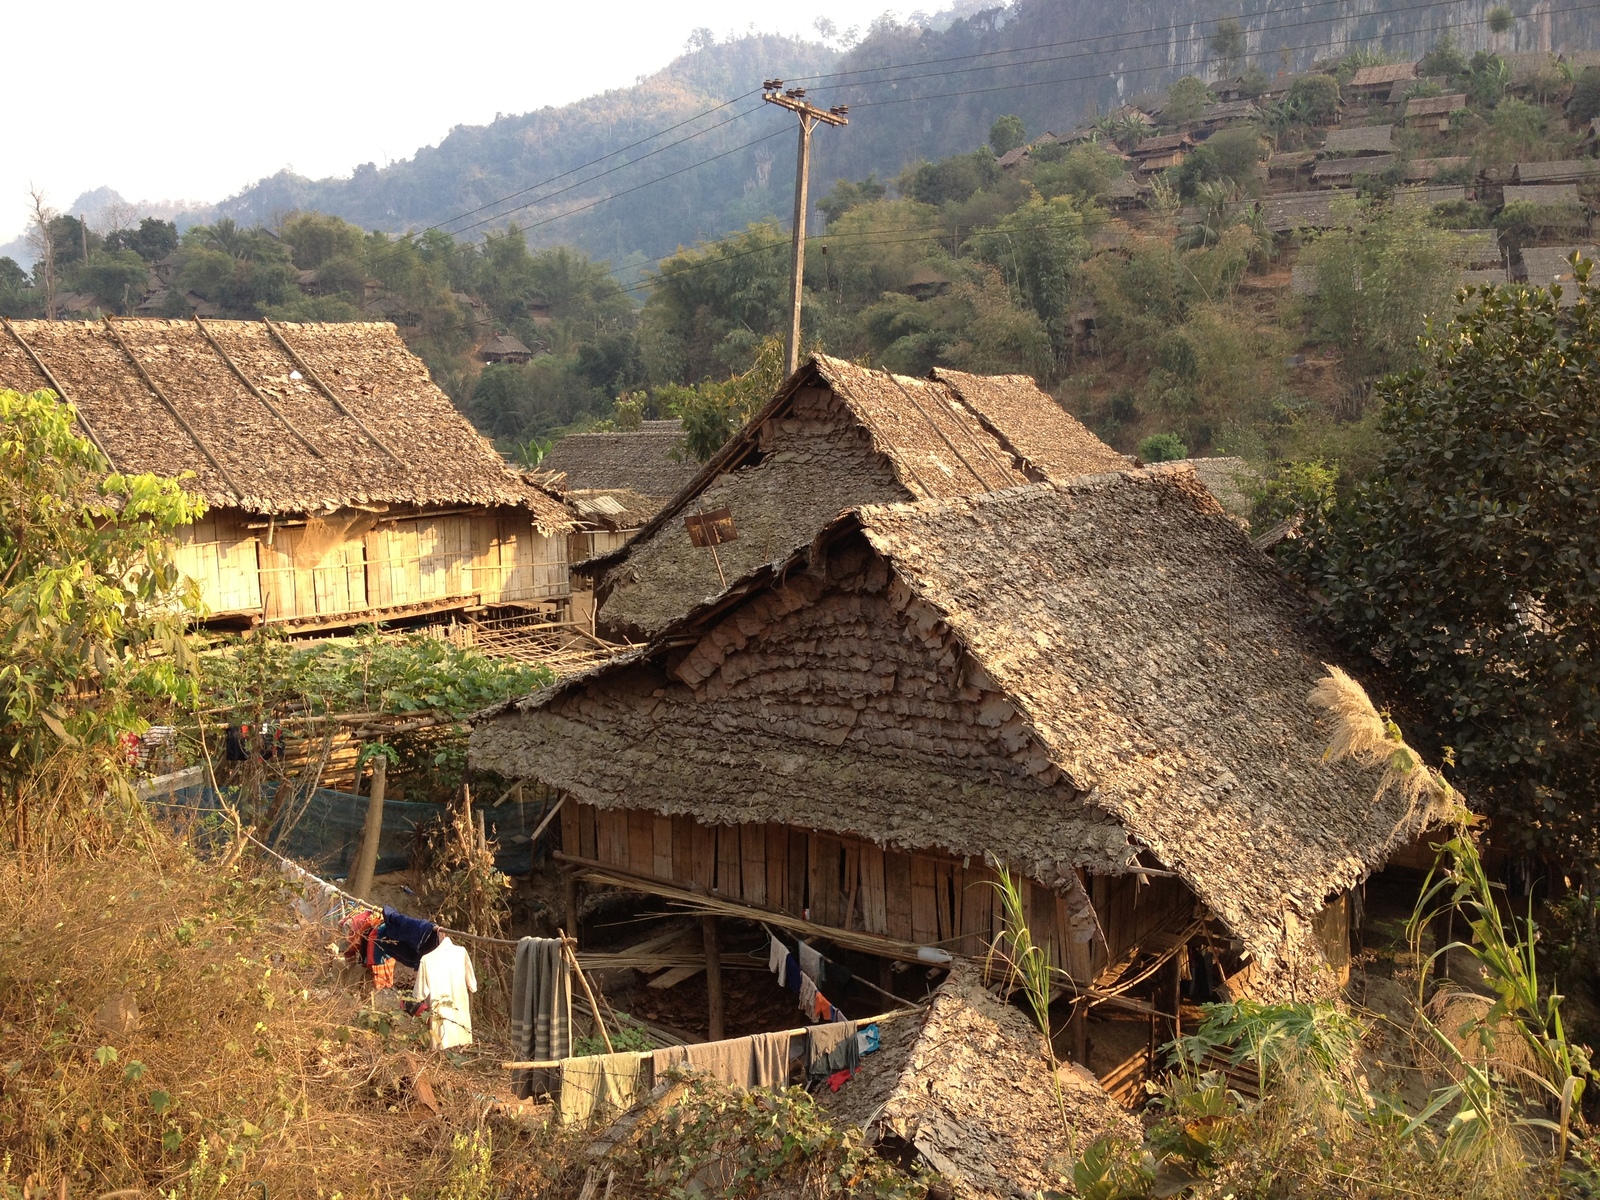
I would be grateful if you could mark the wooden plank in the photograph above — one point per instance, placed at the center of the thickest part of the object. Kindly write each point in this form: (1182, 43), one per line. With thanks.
(675, 976)
(827, 902)
(586, 832)
(949, 900)
(661, 847)
(1076, 958)
(611, 829)
(705, 856)
(777, 837)
(799, 872)
(753, 860)
(850, 918)
(682, 850)
(641, 842)
(571, 815)
(924, 901)
(874, 911)
(728, 858)
(977, 907)
(897, 895)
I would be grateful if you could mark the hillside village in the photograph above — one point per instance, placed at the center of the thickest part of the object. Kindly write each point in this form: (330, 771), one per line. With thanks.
(477, 726)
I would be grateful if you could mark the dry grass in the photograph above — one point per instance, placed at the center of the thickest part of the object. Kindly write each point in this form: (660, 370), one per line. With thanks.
(165, 1028)
(1362, 734)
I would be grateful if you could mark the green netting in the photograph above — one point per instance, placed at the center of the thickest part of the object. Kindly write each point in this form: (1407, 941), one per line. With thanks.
(328, 831)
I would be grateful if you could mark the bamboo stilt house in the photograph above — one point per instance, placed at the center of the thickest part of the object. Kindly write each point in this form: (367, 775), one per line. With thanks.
(1099, 683)
(343, 485)
(837, 435)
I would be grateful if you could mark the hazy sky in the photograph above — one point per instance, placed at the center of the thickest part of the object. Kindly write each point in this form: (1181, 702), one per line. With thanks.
(194, 101)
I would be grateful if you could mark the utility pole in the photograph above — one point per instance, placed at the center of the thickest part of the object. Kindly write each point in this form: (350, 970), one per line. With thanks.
(795, 101)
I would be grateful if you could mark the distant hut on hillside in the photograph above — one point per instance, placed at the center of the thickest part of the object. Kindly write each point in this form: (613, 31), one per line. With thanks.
(343, 485)
(838, 435)
(1375, 83)
(503, 348)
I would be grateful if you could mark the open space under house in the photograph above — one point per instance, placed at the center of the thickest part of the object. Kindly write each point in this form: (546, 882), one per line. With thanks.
(343, 487)
(955, 631)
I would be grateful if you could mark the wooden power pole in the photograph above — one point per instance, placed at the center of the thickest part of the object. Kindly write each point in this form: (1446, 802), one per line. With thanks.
(795, 101)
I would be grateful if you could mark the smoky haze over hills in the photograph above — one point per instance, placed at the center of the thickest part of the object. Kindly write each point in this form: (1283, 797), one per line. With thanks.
(914, 92)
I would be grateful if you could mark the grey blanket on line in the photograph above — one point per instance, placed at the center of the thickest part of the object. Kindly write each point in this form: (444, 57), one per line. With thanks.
(832, 1048)
(761, 1061)
(541, 1013)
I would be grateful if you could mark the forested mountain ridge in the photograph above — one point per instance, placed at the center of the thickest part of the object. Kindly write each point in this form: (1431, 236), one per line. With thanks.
(915, 92)
(475, 165)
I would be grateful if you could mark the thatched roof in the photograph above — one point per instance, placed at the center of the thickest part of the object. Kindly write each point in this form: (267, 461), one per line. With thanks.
(1546, 265)
(611, 508)
(1164, 144)
(835, 436)
(1145, 668)
(1366, 139)
(1545, 195)
(649, 460)
(1296, 210)
(1434, 106)
(1566, 171)
(1349, 168)
(969, 1092)
(1384, 73)
(275, 418)
(503, 345)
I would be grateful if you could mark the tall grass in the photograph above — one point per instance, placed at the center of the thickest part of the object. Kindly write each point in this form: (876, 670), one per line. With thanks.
(1027, 965)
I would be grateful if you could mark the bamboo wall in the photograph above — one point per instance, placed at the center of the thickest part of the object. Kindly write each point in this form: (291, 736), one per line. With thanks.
(352, 563)
(927, 899)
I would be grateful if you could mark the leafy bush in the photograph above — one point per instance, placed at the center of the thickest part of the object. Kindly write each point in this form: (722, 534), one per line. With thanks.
(92, 614)
(1185, 99)
(1462, 562)
(1007, 134)
(1585, 102)
(1445, 59)
(1314, 99)
(951, 180)
(1162, 447)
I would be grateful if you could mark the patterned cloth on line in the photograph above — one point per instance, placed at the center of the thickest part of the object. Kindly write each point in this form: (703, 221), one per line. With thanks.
(777, 956)
(541, 1013)
(598, 1083)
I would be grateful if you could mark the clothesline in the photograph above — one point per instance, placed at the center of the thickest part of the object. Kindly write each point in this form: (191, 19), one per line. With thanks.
(880, 1019)
(854, 977)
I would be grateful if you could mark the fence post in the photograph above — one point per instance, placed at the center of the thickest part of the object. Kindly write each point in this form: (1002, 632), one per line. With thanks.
(367, 857)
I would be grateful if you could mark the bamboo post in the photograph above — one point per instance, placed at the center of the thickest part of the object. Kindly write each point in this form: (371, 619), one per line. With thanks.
(594, 1005)
(569, 894)
(714, 1000)
(367, 857)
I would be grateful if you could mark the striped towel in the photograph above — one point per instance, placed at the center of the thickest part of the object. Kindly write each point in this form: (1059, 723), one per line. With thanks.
(541, 1013)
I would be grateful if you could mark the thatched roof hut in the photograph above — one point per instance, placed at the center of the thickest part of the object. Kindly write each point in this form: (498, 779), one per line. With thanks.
(648, 461)
(331, 440)
(837, 435)
(1100, 676)
(968, 1093)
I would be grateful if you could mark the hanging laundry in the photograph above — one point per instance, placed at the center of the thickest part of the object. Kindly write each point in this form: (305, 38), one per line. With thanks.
(838, 1079)
(541, 1012)
(761, 1061)
(834, 1014)
(237, 743)
(359, 926)
(832, 1048)
(777, 957)
(598, 1083)
(407, 938)
(791, 972)
(867, 1039)
(445, 981)
(810, 963)
(808, 996)
(383, 975)
(821, 1008)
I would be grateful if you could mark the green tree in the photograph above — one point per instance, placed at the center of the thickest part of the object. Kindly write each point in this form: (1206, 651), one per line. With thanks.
(951, 180)
(1444, 59)
(1380, 275)
(92, 613)
(1228, 46)
(152, 241)
(710, 308)
(1162, 447)
(1006, 134)
(1084, 171)
(1500, 19)
(1039, 250)
(117, 279)
(1585, 102)
(1185, 99)
(1313, 99)
(1467, 561)
(242, 269)
(846, 195)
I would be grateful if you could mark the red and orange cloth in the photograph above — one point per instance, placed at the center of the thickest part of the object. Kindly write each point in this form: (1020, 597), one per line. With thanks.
(361, 945)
